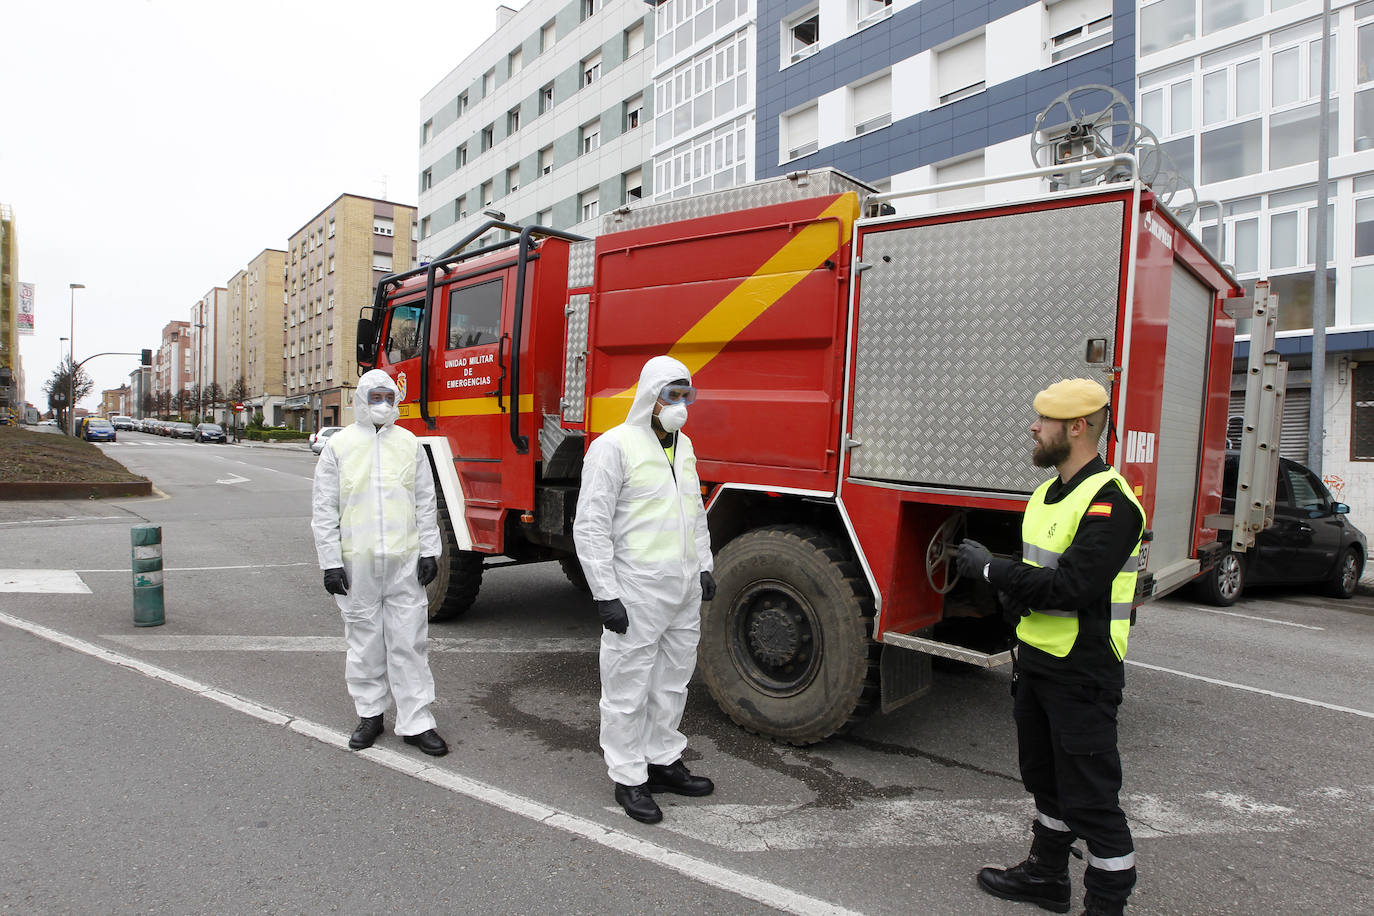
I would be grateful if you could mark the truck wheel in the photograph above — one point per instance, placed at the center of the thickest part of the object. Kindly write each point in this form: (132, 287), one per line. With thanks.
(572, 568)
(455, 588)
(1222, 584)
(1343, 582)
(785, 647)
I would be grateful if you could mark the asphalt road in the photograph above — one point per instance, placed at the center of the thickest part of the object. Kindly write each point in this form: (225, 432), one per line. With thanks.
(198, 767)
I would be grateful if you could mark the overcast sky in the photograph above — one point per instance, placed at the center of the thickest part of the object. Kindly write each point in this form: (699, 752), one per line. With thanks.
(151, 148)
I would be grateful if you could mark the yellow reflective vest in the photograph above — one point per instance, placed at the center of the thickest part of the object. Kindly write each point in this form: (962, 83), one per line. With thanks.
(1047, 530)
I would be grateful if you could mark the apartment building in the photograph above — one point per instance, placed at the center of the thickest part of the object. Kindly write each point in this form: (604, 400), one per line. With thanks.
(253, 336)
(703, 96)
(208, 320)
(172, 371)
(331, 268)
(546, 122)
(905, 94)
(1232, 88)
(115, 402)
(16, 316)
(140, 392)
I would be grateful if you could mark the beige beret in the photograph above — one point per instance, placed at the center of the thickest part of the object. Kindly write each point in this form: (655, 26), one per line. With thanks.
(1070, 398)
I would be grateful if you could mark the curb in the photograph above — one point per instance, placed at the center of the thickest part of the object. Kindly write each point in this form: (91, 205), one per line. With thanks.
(75, 490)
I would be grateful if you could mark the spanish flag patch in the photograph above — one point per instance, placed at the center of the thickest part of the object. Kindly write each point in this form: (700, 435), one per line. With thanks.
(1103, 510)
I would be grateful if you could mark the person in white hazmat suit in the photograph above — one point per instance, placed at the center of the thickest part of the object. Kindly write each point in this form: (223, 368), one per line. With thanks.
(377, 538)
(642, 540)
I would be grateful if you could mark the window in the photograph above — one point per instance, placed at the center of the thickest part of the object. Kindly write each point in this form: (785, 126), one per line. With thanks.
(799, 132)
(460, 208)
(488, 83)
(474, 315)
(588, 205)
(634, 39)
(488, 137)
(634, 185)
(1362, 413)
(546, 98)
(427, 131)
(403, 333)
(1167, 23)
(1222, 14)
(867, 12)
(1078, 26)
(382, 225)
(486, 193)
(591, 136)
(543, 218)
(381, 260)
(1293, 134)
(1231, 151)
(590, 8)
(801, 36)
(591, 69)
(512, 179)
(462, 104)
(546, 160)
(513, 120)
(331, 257)
(426, 182)
(710, 85)
(515, 60)
(547, 36)
(331, 227)
(963, 170)
(461, 157)
(634, 110)
(960, 70)
(872, 105)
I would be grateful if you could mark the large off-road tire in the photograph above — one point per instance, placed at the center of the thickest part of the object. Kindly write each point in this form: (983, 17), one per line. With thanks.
(572, 568)
(1222, 584)
(1346, 578)
(785, 644)
(455, 588)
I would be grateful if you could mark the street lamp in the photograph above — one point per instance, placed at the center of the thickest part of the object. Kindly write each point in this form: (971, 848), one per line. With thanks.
(71, 359)
(200, 361)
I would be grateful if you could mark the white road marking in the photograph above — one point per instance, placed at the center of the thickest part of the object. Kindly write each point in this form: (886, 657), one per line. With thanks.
(1286, 623)
(204, 568)
(233, 478)
(43, 582)
(697, 869)
(462, 645)
(1259, 690)
(66, 518)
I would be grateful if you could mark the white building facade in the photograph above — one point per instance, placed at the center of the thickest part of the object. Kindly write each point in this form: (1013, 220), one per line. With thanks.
(1232, 87)
(546, 122)
(207, 325)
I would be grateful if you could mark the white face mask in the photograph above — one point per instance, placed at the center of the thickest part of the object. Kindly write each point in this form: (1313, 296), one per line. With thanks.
(673, 417)
(383, 414)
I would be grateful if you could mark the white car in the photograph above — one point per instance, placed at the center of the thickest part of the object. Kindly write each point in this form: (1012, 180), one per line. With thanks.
(122, 422)
(317, 439)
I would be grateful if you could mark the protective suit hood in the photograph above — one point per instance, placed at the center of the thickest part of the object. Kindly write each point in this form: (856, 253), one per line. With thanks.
(371, 380)
(656, 373)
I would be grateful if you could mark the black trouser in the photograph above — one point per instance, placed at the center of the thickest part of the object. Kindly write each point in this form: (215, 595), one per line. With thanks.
(1066, 735)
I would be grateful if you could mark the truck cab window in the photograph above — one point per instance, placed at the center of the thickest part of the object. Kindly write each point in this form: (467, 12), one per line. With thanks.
(403, 333)
(474, 315)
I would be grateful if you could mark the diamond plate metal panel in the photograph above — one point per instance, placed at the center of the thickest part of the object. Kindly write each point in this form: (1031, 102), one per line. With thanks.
(815, 183)
(581, 264)
(574, 400)
(961, 323)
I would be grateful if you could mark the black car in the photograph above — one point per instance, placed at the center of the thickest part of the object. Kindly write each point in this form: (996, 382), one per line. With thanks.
(209, 432)
(1311, 542)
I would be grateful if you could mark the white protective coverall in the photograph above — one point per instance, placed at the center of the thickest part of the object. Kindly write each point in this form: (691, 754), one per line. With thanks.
(641, 537)
(373, 514)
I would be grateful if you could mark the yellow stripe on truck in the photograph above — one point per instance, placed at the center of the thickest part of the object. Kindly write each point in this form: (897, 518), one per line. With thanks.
(803, 253)
(465, 407)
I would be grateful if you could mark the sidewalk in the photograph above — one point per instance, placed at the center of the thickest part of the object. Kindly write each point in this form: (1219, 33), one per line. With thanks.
(299, 445)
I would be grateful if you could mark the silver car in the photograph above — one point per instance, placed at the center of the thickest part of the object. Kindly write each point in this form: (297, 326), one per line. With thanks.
(317, 439)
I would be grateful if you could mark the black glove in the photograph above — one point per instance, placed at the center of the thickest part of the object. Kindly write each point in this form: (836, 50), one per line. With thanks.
(614, 617)
(336, 581)
(971, 557)
(1013, 609)
(708, 586)
(427, 569)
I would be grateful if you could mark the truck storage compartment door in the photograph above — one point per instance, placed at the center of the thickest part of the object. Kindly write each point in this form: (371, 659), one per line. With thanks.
(961, 320)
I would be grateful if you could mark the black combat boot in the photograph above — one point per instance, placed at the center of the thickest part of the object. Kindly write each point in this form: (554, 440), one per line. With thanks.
(638, 803)
(368, 730)
(675, 777)
(1043, 879)
(1094, 905)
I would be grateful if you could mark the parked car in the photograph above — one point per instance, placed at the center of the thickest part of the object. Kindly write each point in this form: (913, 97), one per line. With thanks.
(48, 422)
(209, 432)
(181, 431)
(97, 429)
(318, 439)
(1310, 543)
(122, 422)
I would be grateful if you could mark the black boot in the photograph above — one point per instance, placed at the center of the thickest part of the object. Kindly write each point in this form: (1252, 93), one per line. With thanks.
(429, 742)
(1043, 879)
(675, 777)
(638, 803)
(369, 728)
(1093, 905)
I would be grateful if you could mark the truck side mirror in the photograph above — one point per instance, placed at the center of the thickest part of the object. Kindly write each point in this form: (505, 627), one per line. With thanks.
(366, 343)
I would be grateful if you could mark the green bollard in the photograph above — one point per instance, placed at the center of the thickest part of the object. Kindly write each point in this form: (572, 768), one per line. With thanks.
(147, 568)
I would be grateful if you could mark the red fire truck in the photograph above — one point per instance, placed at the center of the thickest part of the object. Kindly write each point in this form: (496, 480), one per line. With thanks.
(865, 380)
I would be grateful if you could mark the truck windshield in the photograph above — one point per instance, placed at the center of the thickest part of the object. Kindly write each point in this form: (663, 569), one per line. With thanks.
(403, 334)
(474, 315)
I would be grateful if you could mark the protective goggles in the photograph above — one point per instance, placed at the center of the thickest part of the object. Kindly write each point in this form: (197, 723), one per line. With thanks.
(380, 396)
(677, 394)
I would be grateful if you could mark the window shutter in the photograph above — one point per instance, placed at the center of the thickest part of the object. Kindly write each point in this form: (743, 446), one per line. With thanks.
(961, 66)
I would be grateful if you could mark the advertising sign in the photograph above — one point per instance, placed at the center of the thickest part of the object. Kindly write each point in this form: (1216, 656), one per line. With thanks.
(24, 324)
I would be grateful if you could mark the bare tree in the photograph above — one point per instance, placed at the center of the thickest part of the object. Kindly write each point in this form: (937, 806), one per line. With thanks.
(61, 387)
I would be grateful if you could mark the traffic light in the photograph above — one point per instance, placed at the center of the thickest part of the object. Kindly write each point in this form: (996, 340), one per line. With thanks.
(147, 358)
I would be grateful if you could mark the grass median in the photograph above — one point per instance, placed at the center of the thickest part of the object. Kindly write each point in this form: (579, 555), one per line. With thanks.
(28, 456)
